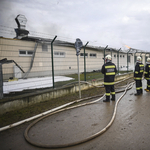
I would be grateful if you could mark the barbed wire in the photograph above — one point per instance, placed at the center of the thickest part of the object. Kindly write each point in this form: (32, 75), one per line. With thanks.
(51, 36)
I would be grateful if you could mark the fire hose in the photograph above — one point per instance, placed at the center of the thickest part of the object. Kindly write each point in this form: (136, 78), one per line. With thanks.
(55, 109)
(129, 86)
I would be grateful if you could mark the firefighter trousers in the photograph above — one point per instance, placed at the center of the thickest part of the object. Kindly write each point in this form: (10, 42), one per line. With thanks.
(110, 90)
(148, 84)
(139, 88)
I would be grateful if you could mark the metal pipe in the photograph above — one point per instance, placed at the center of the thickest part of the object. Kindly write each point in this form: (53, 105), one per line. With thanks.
(5, 61)
(85, 62)
(18, 66)
(52, 61)
(32, 60)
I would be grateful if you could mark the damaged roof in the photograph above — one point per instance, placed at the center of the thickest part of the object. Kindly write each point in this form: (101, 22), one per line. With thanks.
(65, 43)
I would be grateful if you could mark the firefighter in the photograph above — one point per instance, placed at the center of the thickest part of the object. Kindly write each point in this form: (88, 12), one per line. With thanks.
(138, 73)
(147, 74)
(109, 70)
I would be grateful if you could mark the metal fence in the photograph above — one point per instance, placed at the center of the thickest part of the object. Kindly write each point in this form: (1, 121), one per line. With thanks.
(26, 66)
(36, 65)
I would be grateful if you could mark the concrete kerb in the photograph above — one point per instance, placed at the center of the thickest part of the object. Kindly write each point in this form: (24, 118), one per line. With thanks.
(45, 95)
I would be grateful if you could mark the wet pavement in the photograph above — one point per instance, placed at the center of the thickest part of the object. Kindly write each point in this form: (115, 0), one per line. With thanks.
(129, 131)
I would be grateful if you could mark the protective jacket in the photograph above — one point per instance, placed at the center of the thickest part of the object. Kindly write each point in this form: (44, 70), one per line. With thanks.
(147, 71)
(139, 69)
(109, 70)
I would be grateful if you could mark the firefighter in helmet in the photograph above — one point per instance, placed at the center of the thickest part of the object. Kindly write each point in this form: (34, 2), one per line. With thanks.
(109, 70)
(138, 73)
(147, 74)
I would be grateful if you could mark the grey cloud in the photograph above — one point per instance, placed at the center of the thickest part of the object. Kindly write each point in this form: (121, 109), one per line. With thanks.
(105, 21)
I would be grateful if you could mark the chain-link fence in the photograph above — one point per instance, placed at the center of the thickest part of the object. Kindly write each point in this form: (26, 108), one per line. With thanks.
(29, 65)
(37, 63)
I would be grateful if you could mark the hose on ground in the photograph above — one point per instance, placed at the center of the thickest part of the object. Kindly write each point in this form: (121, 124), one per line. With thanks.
(57, 108)
(93, 84)
(129, 86)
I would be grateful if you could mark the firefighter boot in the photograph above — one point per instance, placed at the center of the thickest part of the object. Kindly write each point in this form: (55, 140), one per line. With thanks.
(107, 99)
(113, 98)
(136, 94)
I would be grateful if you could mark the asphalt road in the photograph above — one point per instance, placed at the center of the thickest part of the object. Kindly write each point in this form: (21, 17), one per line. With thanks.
(129, 131)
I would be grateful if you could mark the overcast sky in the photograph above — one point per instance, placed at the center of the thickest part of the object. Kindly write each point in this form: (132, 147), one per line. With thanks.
(101, 22)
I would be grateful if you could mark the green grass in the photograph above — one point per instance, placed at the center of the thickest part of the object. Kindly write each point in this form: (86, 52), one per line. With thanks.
(90, 76)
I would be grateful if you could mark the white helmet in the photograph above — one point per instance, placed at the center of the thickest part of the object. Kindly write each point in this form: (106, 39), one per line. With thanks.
(108, 57)
(139, 58)
(148, 59)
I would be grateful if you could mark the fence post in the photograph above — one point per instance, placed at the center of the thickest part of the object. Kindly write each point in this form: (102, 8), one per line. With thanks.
(1, 82)
(141, 56)
(118, 60)
(135, 57)
(104, 53)
(145, 57)
(128, 59)
(111, 53)
(53, 61)
(85, 63)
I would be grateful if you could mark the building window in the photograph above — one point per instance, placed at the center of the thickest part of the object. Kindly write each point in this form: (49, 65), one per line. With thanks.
(82, 54)
(59, 54)
(120, 55)
(115, 55)
(123, 56)
(44, 47)
(25, 53)
(93, 55)
(129, 59)
(30, 52)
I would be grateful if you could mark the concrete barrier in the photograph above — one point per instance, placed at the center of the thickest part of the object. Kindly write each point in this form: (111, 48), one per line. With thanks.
(45, 95)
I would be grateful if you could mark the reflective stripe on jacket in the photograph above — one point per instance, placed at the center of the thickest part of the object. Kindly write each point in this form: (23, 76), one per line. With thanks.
(147, 72)
(109, 70)
(139, 69)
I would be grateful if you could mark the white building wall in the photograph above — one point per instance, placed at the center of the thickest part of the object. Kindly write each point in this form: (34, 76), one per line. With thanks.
(42, 63)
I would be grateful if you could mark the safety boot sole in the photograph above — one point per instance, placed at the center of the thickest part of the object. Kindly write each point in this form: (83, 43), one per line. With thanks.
(106, 100)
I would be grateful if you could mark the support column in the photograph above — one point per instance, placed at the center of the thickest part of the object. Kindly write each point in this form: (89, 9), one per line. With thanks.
(1, 82)
(85, 62)
(53, 61)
